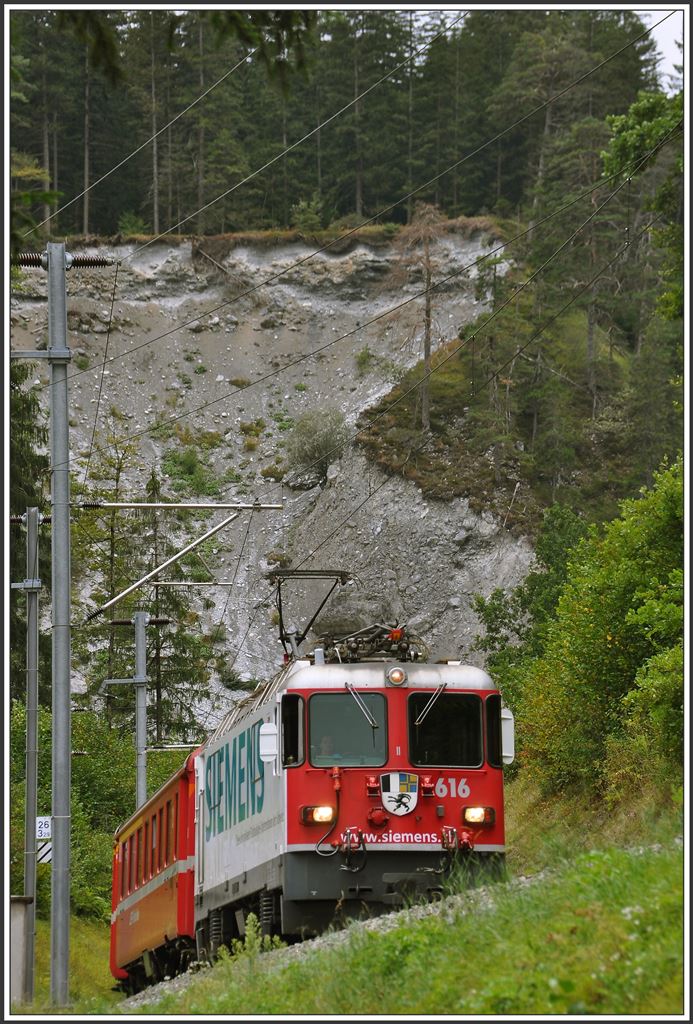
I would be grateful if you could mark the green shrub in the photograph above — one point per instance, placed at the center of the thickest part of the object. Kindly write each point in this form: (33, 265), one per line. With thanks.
(131, 224)
(612, 662)
(316, 440)
(189, 475)
(254, 428)
(654, 707)
(365, 360)
(306, 214)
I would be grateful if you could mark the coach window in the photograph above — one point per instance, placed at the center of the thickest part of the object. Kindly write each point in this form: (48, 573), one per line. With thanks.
(131, 872)
(173, 826)
(124, 867)
(347, 730)
(449, 733)
(147, 859)
(154, 845)
(167, 852)
(161, 838)
(138, 871)
(293, 743)
(494, 754)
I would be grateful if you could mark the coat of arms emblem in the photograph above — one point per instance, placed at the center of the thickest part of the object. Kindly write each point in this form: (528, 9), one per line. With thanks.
(399, 791)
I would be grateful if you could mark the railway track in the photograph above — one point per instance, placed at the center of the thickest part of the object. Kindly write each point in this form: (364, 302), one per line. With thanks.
(476, 899)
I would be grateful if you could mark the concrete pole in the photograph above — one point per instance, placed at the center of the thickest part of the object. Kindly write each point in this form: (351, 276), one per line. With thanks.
(32, 585)
(140, 681)
(59, 357)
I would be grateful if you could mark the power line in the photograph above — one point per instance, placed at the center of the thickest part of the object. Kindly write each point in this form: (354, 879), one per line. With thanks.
(103, 370)
(489, 319)
(498, 370)
(500, 135)
(387, 209)
(144, 144)
(453, 353)
(294, 145)
(391, 310)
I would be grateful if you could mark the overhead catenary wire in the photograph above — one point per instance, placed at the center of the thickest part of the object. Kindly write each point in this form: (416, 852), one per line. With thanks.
(497, 371)
(386, 313)
(481, 327)
(101, 379)
(144, 145)
(380, 213)
(351, 103)
(415, 451)
(299, 142)
(494, 314)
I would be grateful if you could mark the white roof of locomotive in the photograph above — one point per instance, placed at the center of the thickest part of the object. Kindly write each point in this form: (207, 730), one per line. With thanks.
(303, 674)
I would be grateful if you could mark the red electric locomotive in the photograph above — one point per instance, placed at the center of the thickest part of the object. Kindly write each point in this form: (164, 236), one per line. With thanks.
(353, 779)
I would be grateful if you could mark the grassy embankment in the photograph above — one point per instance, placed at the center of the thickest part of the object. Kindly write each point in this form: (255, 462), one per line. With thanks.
(600, 934)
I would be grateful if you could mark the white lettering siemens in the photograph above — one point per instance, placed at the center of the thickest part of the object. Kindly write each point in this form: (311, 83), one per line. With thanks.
(381, 838)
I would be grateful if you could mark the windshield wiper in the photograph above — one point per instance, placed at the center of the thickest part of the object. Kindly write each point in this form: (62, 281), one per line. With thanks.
(366, 713)
(434, 698)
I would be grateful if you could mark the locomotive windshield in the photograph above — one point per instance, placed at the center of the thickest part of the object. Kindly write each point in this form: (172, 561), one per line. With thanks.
(340, 732)
(449, 734)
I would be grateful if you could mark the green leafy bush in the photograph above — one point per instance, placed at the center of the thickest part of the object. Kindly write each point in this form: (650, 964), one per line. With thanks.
(131, 224)
(316, 440)
(611, 667)
(306, 214)
(189, 475)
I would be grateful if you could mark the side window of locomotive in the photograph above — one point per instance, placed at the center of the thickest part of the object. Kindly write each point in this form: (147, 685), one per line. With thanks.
(293, 739)
(449, 734)
(493, 731)
(341, 734)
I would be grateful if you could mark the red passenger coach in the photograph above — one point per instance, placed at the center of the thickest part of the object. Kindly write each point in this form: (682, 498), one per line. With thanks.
(152, 915)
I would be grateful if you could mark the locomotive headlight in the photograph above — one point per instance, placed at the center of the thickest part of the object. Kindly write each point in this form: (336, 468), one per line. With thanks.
(478, 815)
(321, 815)
(396, 676)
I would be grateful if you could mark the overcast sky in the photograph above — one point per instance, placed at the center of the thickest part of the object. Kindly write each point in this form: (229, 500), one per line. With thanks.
(667, 34)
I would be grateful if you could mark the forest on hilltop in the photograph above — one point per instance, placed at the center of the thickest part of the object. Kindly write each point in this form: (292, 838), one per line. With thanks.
(418, 92)
(551, 125)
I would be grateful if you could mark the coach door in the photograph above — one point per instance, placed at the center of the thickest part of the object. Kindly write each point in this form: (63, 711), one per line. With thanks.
(200, 823)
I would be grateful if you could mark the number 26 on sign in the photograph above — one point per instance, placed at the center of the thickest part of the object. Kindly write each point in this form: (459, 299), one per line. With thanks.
(43, 828)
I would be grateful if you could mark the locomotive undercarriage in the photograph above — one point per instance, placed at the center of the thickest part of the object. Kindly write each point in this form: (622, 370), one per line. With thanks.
(316, 892)
(313, 893)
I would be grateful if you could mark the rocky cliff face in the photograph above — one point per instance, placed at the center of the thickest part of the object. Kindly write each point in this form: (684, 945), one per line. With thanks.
(234, 343)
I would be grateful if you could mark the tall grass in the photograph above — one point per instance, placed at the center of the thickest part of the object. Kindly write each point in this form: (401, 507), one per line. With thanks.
(90, 980)
(600, 934)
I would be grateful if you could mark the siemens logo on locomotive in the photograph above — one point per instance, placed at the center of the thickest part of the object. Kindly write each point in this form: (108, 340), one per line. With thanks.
(234, 782)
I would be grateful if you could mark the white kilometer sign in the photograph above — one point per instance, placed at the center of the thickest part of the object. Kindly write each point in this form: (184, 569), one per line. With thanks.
(43, 828)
